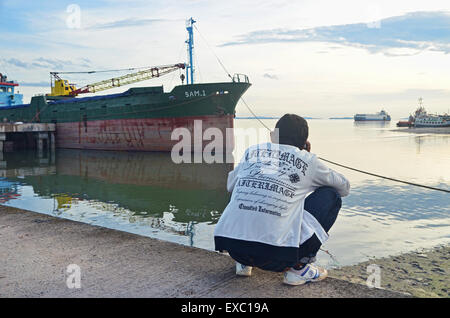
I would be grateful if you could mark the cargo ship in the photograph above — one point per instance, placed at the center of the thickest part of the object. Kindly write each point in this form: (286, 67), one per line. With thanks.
(381, 116)
(139, 119)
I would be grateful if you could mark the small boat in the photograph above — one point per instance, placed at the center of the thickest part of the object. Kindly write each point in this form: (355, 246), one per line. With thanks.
(381, 116)
(7, 95)
(404, 123)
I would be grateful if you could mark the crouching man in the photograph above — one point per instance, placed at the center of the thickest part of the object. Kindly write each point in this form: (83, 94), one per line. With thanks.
(284, 201)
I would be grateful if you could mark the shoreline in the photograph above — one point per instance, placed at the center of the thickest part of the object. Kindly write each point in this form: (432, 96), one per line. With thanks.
(421, 273)
(424, 130)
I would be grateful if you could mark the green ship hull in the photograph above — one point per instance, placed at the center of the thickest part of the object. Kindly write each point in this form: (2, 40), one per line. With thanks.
(140, 119)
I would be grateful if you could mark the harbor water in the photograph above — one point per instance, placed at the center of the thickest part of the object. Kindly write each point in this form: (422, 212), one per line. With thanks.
(148, 194)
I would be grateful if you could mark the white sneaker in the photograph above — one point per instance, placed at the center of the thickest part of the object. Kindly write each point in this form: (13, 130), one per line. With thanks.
(310, 273)
(243, 270)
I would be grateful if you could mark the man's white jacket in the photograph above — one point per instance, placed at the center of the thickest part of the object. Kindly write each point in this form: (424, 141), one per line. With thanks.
(266, 210)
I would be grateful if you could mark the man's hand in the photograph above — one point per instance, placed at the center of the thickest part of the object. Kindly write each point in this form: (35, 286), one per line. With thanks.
(308, 146)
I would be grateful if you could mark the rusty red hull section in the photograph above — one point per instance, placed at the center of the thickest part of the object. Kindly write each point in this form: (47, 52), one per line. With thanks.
(147, 134)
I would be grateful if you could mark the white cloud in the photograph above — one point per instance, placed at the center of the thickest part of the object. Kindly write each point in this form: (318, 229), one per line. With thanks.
(403, 35)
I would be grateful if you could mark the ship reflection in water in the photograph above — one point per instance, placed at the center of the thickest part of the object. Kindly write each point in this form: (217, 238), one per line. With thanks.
(365, 124)
(143, 193)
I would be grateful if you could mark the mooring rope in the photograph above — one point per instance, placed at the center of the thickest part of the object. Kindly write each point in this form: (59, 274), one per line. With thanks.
(329, 161)
(214, 53)
(358, 170)
(323, 159)
(361, 171)
(384, 177)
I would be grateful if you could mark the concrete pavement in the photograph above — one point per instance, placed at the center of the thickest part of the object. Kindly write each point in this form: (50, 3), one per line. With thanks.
(35, 250)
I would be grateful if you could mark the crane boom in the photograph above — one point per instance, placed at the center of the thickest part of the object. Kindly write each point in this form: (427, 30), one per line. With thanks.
(63, 88)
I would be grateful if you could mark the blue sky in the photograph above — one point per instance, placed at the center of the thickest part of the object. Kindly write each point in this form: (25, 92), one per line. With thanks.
(418, 31)
(316, 58)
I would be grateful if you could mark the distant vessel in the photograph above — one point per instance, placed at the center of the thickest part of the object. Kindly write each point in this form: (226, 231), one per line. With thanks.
(406, 123)
(381, 116)
(423, 119)
(7, 95)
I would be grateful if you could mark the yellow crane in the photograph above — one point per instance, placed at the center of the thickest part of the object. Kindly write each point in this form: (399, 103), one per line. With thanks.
(62, 87)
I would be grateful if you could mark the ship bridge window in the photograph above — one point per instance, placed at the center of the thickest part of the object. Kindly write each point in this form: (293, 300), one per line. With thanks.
(9, 90)
(2, 89)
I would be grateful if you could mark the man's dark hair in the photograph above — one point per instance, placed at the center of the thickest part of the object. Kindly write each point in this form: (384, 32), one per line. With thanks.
(293, 130)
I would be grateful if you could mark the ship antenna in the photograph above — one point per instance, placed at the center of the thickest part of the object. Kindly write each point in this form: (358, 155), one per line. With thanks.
(190, 43)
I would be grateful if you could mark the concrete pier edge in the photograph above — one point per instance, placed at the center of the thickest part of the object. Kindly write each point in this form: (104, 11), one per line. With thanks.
(36, 250)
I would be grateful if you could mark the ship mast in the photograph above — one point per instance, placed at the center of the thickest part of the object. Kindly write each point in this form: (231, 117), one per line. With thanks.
(190, 43)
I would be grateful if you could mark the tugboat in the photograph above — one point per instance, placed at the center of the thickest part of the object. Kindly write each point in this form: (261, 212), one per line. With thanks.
(408, 123)
(7, 95)
(381, 116)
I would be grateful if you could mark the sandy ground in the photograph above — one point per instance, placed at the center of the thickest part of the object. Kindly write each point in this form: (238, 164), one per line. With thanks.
(424, 273)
